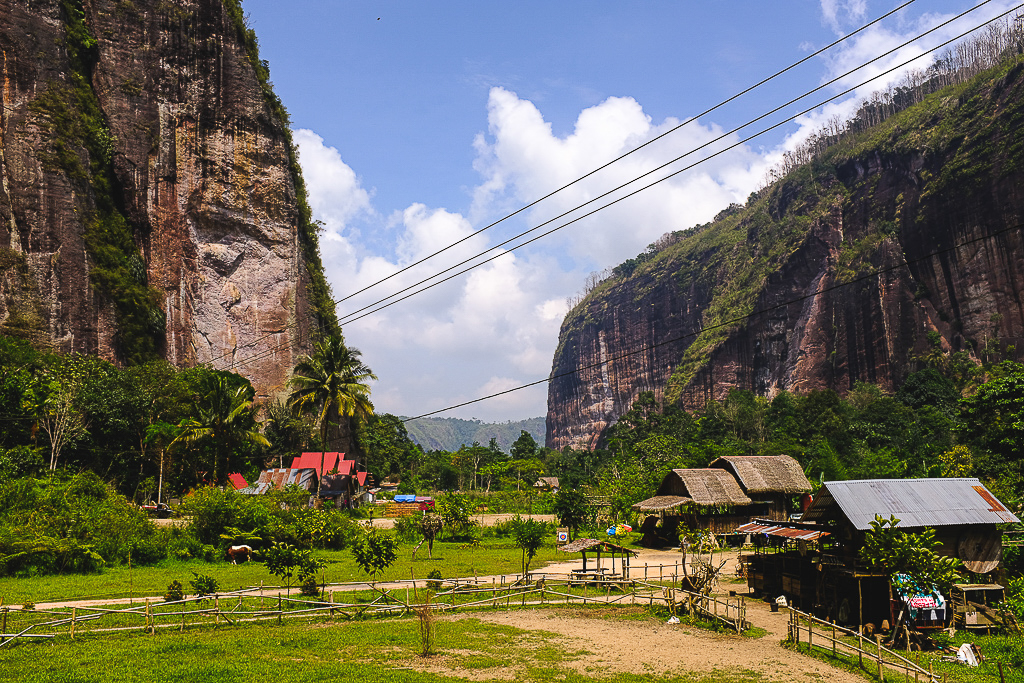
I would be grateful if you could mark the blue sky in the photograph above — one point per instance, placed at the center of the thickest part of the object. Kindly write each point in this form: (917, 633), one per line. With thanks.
(420, 122)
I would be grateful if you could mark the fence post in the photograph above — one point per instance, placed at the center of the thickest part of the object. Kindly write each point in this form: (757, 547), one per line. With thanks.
(216, 610)
(4, 628)
(833, 640)
(881, 668)
(74, 614)
(860, 648)
(279, 620)
(810, 633)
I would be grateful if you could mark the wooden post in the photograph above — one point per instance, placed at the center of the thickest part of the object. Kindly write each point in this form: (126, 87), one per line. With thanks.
(860, 648)
(216, 610)
(182, 614)
(881, 668)
(833, 640)
(1001, 679)
(645, 568)
(149, 617)
(74, 614)
(860, 606)
(4, 628)
(279, 620)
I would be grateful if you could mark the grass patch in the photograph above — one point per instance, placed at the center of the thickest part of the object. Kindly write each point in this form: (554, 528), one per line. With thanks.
(368, 651)
(1005, 649)
(452, 559)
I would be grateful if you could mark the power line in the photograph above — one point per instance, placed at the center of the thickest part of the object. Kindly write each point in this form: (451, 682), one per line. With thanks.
(726, 323)
(262, 354)
(602, 167)
(348, 318)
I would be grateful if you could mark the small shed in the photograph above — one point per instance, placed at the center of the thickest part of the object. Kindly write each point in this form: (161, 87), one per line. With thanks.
(827, 574)
(546, 484)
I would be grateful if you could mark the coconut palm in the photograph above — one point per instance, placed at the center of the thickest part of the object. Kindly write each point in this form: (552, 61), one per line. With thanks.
(224, 418)
(331, 380)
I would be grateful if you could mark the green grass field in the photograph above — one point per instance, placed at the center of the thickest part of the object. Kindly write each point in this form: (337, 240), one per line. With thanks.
(367, 651)
(451, 559)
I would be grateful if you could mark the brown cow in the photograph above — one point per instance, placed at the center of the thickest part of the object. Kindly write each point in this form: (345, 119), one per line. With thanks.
(239, 552)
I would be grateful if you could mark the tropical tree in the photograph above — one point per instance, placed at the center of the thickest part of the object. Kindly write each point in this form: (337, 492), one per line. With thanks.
(332, 380)
(224, 419)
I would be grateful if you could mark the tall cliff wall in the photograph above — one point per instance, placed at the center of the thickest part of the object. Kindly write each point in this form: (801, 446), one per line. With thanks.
(148, 194)
(835, 274)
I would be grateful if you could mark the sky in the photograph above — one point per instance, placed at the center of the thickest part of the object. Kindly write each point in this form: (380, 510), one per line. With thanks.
(421, 123)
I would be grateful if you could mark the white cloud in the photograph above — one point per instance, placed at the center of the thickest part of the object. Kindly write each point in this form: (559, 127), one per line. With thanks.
(496, 327)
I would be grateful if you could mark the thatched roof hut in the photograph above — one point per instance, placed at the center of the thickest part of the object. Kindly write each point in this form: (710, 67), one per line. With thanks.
(766, 473)
(705, 486)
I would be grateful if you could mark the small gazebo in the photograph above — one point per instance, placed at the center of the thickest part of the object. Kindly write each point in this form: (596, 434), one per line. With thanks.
(598, 547)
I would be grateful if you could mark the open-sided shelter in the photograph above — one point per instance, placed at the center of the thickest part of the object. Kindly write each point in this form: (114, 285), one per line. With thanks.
(586, 546)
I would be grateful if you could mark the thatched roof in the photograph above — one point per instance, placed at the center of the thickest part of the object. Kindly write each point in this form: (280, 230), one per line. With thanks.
(766, 473)
(593, 545)
(659, 503)
(707, 486)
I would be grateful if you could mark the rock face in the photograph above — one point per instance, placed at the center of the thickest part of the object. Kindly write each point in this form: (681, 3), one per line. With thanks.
(147, 197)
(833, 275)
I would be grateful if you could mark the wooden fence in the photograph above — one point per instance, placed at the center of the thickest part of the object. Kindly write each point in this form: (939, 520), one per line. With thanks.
(805, 629)
(258, 603)
(732, 612)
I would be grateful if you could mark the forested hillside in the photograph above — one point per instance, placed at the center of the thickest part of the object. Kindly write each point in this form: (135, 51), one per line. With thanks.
(884, 239)
(449, 433)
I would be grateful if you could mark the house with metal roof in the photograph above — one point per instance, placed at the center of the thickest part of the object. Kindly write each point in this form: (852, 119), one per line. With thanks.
(964, 514)
(825, 573)
(340, 480)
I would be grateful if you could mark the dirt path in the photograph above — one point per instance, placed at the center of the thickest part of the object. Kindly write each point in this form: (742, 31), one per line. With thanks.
(655, 648)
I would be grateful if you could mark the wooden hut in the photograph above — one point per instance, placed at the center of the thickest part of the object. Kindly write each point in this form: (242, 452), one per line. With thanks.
(770, 481)
(731, 492)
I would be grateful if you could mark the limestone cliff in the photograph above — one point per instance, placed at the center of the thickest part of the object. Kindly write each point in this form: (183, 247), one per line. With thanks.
(834, 274)
(150, 202)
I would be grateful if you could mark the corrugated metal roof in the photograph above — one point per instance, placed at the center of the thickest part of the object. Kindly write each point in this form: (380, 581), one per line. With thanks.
(915, 502)
(782, 531)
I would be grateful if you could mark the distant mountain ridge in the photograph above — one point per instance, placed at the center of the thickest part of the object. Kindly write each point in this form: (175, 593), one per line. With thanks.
(450, 433)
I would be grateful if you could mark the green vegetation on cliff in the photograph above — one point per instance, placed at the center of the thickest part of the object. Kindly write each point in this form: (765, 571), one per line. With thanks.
(319, 289)
(76, 122)
(959, 142)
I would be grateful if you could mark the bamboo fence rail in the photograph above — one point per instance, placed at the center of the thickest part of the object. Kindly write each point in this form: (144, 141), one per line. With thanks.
(259, 603)
(828, 637)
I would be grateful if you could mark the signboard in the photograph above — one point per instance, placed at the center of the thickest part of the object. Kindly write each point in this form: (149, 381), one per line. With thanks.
(562, 535)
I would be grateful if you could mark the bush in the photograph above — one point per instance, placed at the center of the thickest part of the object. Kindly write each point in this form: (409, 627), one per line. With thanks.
(434, 580)
(71, 523)
(310, 587)
(408, 528)
(203, 585)
(175, 592)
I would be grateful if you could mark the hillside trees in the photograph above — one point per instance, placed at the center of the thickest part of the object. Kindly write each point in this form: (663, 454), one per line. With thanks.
(224, 423)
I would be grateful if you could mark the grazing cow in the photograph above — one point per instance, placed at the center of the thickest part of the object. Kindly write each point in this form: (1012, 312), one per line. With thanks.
(239, 552)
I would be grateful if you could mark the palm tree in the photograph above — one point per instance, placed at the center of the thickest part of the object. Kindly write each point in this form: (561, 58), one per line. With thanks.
(333, 379)
(225, 418)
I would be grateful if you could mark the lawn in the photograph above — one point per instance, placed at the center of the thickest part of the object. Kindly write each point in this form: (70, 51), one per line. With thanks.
(369, 651)
(451, 559)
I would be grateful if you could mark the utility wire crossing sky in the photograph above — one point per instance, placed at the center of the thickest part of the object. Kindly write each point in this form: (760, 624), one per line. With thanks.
(419, 129)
